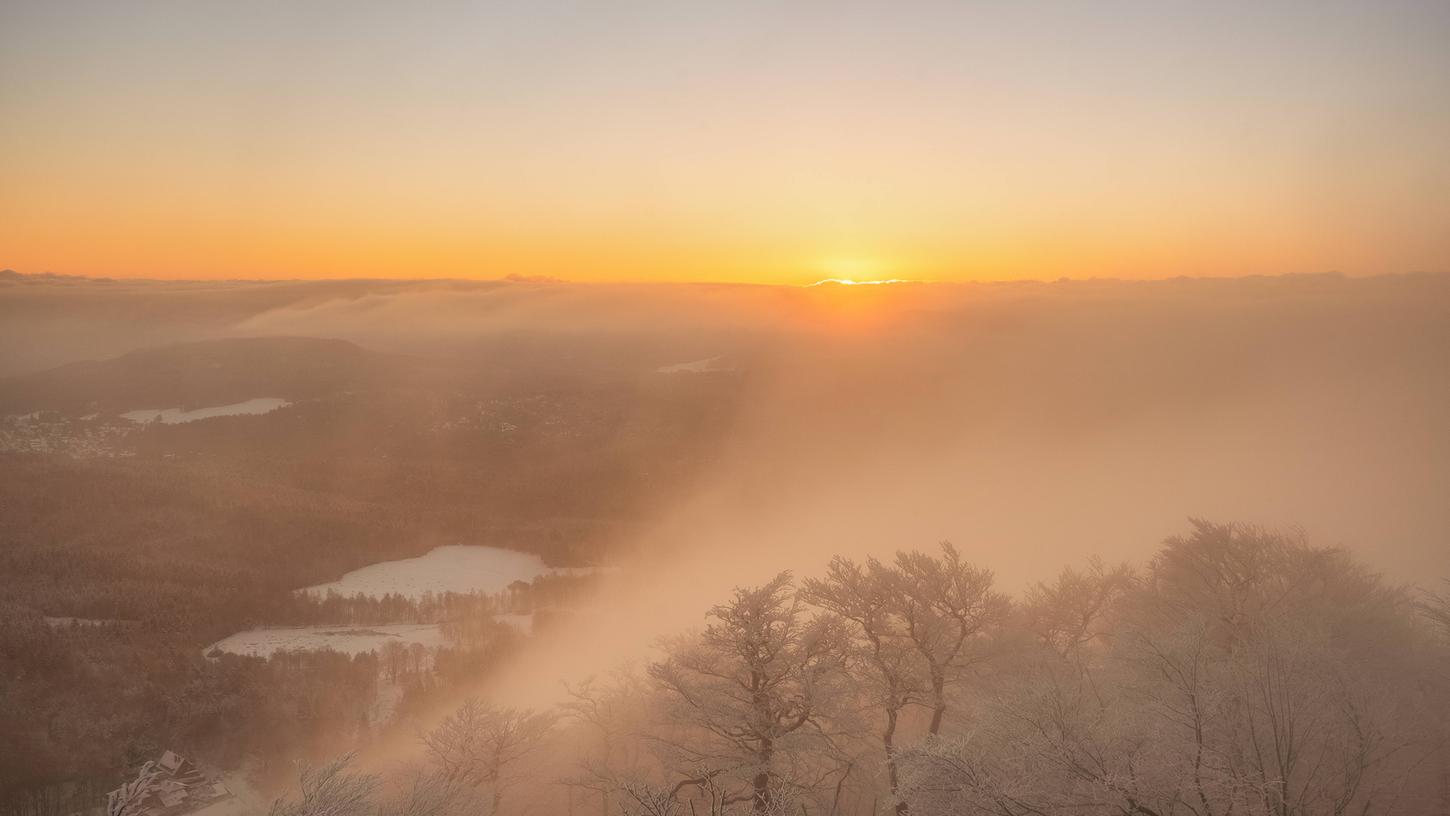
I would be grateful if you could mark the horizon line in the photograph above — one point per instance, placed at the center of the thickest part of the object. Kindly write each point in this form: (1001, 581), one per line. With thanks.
(545, 280)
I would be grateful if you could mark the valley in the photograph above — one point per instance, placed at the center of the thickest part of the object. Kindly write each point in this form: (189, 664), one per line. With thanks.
(258, 550)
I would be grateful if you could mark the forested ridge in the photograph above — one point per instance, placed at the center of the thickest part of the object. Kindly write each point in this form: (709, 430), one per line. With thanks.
(118, 565)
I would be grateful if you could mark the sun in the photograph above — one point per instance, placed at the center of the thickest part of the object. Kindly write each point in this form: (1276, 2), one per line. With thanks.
(854, 270)
(850, 269)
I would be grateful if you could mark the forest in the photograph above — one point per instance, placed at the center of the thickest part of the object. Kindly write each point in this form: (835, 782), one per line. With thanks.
(1240, 670)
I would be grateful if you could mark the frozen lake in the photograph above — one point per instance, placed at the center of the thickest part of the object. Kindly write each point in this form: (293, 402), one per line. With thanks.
(461, 568)
(458, 568)
(176, 416)
(345, 638)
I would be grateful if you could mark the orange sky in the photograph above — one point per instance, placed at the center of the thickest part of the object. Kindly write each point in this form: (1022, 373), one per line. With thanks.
(739, 142)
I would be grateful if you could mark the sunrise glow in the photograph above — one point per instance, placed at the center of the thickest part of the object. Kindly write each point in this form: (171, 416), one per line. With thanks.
(955, 142)
(847, 282)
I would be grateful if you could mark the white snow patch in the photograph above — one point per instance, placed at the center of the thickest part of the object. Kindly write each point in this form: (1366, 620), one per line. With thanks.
(351, 640)
(175, 416)
(697, 366)
(458, 568)
(61, 622)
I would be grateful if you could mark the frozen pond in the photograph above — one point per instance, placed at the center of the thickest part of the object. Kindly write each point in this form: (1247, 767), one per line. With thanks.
(457, 568)
(346, 639)
(175, 416)
(461, 568)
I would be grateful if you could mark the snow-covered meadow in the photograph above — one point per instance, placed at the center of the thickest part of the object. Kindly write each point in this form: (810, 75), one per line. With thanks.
(345, 638)
(351, 640)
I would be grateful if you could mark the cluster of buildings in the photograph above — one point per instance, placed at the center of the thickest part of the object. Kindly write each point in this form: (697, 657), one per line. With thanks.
(172, 786)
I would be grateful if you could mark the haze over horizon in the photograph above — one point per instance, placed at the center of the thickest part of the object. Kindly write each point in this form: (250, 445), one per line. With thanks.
(740, 143)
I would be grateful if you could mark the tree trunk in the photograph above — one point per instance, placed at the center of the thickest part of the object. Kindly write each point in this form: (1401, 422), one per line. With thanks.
(939, 702)
(888, 739)
(760, 802)
(762, 792)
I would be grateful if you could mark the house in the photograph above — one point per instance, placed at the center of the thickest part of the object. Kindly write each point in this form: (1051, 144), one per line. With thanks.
(169, 786)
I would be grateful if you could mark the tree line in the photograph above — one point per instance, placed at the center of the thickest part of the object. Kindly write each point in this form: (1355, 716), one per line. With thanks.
(1239, 671)
(549, 591)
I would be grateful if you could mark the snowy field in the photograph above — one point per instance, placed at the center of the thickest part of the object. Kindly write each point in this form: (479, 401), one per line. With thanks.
(175, 416)
(347, 639)
(62, 623)
(457, 568)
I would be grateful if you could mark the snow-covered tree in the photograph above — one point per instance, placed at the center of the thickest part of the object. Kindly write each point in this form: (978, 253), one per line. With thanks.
(950, 611)
(482, 746)
(755, 693)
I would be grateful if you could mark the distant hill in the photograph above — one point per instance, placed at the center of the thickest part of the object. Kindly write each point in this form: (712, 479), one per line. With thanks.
(192, 375)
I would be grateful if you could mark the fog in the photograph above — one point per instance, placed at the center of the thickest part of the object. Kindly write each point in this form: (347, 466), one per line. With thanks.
(1038, 425)
(1028, 422)
(1033, 425)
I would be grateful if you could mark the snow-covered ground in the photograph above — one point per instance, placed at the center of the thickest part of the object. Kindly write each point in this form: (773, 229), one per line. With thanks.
(349, 639)
(63, 622)
(458, 568)
(174, 416)
(340, 638)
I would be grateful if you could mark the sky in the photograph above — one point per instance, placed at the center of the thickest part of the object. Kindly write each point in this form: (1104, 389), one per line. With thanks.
(779, 142)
